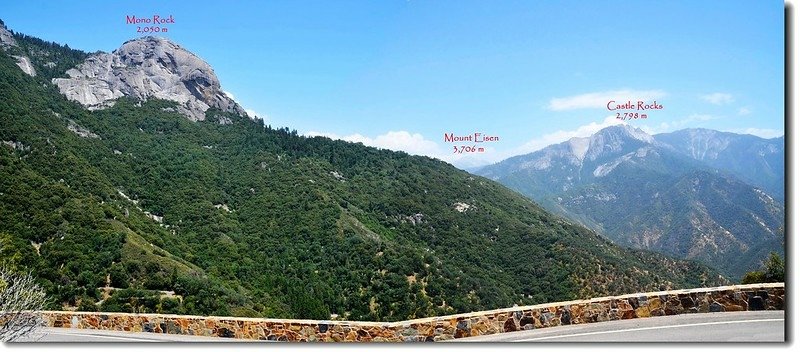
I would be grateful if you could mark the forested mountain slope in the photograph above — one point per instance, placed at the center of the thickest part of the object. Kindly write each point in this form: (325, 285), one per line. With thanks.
(137, 208)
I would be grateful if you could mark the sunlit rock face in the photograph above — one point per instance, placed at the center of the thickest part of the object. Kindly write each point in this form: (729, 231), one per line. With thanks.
(145, 68)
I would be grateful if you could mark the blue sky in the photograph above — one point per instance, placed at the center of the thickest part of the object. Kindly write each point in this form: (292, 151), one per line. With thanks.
(401, 74)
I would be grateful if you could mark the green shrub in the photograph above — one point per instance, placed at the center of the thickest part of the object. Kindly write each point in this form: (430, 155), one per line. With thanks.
(772, 271)
(753, 277)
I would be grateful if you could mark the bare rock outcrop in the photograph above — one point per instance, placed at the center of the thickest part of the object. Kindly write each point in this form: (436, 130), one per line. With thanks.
(146, 68)
(25, 65)
(6, 37)
(7, 42)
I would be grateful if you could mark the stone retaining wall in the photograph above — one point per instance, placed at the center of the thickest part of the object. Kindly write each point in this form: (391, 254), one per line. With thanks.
(703, 300)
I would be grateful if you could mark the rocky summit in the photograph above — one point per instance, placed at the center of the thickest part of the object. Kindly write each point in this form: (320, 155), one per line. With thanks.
(148, 67)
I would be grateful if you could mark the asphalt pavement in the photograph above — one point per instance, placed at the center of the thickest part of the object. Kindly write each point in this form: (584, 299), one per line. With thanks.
(46, 335)
(754, 326)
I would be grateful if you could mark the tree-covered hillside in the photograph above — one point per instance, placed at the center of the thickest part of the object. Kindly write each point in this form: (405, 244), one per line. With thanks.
(136, 208)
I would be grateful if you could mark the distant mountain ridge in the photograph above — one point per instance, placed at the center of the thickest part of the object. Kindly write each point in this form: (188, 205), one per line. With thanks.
(755, 160)
(662, 192)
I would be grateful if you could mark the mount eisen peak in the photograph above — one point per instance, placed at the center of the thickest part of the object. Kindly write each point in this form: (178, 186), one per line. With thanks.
(143, 68)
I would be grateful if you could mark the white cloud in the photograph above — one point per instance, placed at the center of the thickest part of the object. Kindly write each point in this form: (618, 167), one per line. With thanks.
(653, 130)
(760, 132)
(693, 120)
(699, 117)
(744, 111)
(351, 138)
(718, 98)
(407, 142)
(416, 144)
(412, 143)
(250, 112)
(473, 160)
(253, 114)
(561, 135)
(601, 99)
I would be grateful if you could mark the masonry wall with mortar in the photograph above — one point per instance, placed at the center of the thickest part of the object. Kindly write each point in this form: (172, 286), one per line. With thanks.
(702, 300)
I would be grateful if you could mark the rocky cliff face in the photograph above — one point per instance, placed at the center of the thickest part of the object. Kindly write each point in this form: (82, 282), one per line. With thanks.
(8, 42)
(145, 68)
(6, 37)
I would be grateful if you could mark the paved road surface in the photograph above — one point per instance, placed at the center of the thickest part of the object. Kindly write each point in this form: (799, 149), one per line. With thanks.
(763, 326)
(710, 327)
(88, 335)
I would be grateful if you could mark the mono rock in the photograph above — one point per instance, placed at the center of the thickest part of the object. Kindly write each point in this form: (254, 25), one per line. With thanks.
(148, 68)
